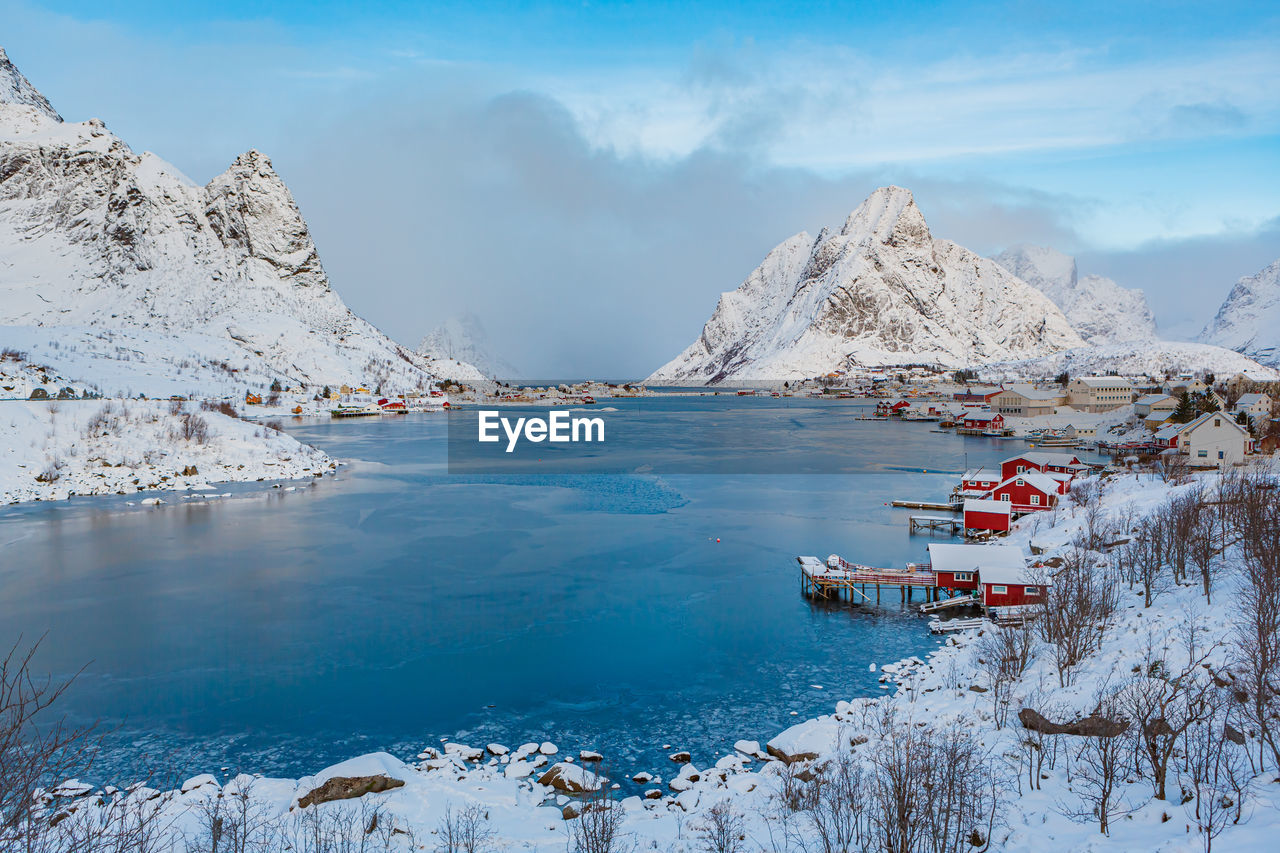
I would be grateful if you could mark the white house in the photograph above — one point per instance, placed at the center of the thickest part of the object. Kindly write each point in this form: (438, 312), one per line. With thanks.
(1214, 440)
(1256, 406)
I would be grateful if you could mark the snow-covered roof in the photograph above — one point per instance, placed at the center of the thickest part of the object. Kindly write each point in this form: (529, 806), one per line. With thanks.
(1167, 432)
(982, 473)
(1152, 399)
(1105, 381)
(1035, 479)
(993, 561)
(1031, 393)
(1046, 457)
(1192, 426)
(979, 505)
(1251, 400)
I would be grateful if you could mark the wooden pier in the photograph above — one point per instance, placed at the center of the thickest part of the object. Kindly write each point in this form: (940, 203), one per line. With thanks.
(850, 581)
(923, 505)
(930, 523)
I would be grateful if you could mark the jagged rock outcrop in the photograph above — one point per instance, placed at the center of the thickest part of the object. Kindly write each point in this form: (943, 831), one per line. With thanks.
(96, 235)
(16, 89)
(1249, 320)
(881, 290)
(1102, 311)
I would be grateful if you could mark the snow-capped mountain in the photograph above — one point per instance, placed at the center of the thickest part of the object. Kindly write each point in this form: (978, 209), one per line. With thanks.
(93, 235)
(464, 339)
(1102, 311)
(16, 89)
(1249, 320)
(881, 290)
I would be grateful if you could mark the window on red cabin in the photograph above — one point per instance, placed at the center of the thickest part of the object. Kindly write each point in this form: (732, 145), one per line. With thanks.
(999, 589)
(1006, 497)
(1021, 483)
(964, 576)
(1031, 590)
(1035, 500)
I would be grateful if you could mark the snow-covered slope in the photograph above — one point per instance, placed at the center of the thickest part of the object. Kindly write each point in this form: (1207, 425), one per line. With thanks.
(1102, 311)
(1249, 320)
(95, 235)
(882, 290)
(1137, 358)
(463, 339)
(16, 89)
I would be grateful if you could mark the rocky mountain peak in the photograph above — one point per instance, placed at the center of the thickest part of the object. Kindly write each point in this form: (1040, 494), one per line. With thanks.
(881, 291)
(16, 89)
(890, 216)
(1249, 319)
(1102, 311)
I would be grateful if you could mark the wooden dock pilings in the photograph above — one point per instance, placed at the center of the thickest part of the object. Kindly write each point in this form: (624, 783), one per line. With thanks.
(930, 523)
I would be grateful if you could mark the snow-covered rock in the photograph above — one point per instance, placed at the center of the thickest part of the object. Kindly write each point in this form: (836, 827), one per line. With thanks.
(15, 89)
(463, 340)
(1249, 320)
(93, 234)
(881, 290)
(1102, 311)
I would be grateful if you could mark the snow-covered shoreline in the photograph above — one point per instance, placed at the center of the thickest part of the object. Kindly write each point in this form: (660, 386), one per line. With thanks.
(950, 690)
(53, 450)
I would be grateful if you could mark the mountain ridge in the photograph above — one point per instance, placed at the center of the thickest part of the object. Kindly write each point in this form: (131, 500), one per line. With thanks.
(97, 235)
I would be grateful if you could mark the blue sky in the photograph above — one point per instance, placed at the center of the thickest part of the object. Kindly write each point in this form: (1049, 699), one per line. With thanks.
(626, 162)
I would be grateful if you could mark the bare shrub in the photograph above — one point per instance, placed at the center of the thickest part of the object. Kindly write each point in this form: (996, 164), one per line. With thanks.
(1075, 609)
(464, 831)
(193, 428)
(1099, 779)
(1005, 654)
(33, 749)
(932, 790)
(52, 471)
(1218, 772)
(721, 829)
(175, 407)
(598, 827)
(220, 406)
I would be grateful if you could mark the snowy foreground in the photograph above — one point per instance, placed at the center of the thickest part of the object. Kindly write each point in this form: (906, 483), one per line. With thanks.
(55, 449)
(945, 739)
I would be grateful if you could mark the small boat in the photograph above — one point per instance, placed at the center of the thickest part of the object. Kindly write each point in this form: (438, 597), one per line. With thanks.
(588, 400)
(356, 411)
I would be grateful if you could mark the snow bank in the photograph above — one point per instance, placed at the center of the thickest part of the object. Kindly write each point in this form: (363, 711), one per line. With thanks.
(53, 450)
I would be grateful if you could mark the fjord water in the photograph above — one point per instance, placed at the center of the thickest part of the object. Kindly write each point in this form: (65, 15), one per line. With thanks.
(394, 605)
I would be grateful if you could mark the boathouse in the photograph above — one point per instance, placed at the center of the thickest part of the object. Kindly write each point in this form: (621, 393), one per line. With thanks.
(982, 420)
(987, 516)
(964, 567)
(1043, 461)
(1029, 491)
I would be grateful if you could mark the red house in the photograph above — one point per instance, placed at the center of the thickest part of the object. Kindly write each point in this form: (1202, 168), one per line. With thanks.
(1042, 461)
(1008, 584)
(955, 567)
(983, 420)
(1030, 491)
(980, 480)
(987, 516)
(998, 571)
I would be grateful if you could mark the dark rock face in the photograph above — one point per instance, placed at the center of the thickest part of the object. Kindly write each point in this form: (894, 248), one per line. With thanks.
(349, 788)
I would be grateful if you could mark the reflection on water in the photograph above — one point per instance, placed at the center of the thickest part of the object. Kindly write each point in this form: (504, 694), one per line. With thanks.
(394, 605)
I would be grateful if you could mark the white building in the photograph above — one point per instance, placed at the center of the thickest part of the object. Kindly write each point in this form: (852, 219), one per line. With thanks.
(1214, 440)
(1256, 406)
(1099, 393)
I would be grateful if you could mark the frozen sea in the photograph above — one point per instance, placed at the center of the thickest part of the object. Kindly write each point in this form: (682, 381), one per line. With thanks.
(396, 605)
